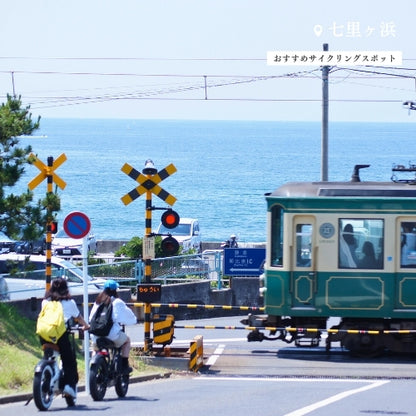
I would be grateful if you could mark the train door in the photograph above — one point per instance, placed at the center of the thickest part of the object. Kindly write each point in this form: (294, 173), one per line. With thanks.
(406, 276)
(303, 275)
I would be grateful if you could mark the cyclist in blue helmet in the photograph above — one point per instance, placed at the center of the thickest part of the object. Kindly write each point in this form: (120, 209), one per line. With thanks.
(122, 315)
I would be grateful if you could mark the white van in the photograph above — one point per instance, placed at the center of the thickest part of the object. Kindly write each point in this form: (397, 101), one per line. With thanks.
(25, 275)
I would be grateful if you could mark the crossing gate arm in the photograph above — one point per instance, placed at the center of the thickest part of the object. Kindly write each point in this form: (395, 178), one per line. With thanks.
(267, 328)
(292, 329)
(195, 306)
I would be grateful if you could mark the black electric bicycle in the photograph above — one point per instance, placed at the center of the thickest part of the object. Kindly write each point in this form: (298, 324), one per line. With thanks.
(106, 370)
(48, 378)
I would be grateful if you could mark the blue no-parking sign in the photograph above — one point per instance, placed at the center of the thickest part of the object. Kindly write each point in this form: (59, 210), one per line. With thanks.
(77, 225)
(244, 261)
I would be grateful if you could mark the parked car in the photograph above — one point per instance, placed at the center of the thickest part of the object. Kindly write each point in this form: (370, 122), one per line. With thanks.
(30, 247)
(6, 243)
(65, 246)
(187, 234)
(25, 275)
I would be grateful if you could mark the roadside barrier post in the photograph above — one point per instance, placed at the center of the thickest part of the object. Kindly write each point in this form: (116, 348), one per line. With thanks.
(196, 353)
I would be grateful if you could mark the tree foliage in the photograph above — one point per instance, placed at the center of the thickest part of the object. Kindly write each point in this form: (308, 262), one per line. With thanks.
(134, 248)
(20, 217)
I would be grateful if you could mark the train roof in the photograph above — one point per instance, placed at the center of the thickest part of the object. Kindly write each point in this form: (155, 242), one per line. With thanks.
(397, 188)
(345, 189)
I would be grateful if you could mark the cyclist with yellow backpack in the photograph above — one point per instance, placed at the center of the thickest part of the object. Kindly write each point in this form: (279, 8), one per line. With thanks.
(59, 293)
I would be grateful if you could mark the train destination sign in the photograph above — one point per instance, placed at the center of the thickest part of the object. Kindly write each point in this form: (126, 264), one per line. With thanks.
(243, 261)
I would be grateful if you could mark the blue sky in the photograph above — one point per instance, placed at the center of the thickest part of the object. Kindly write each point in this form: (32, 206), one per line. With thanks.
(183, 59)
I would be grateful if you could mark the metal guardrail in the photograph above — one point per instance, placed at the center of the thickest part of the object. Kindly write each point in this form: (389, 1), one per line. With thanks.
(177, 269)
(205, 266)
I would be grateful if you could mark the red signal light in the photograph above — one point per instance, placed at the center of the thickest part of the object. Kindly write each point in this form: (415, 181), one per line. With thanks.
(170, 219)
(53, 227)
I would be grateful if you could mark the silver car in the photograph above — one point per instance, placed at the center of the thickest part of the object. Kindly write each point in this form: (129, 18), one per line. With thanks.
(25, 276)
(65, 246)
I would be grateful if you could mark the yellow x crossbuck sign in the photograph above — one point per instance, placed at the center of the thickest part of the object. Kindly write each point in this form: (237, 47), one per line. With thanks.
(46, 171)
(147, 184)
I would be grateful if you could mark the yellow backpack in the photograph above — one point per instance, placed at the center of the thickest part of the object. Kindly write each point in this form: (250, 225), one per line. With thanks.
(51, 323)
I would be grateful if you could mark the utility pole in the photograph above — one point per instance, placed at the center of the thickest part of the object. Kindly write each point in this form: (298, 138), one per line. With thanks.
(325, 102)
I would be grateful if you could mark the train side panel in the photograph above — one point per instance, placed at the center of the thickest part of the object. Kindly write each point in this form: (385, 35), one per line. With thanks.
(352, 257)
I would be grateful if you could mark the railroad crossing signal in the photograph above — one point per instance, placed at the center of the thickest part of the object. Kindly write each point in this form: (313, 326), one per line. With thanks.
(170, 246)
(170, 219)
(147, 184)
(54, 227)
(46, 170)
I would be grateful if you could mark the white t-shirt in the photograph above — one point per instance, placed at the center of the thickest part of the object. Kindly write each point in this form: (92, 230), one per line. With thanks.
(70, 308)
(122, 315)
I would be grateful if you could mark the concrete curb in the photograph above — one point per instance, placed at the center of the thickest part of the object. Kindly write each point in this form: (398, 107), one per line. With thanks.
(28, 396)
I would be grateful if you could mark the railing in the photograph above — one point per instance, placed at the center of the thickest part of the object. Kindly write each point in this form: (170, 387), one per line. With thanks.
(207, 265)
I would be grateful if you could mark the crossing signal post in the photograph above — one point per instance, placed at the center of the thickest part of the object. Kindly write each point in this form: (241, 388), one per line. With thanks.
(149, 181)
(48, 172)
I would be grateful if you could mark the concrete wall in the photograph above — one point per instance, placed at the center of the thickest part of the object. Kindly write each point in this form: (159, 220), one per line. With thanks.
(243, 292)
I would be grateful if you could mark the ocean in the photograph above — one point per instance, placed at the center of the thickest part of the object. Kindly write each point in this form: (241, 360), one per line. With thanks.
(224, 168)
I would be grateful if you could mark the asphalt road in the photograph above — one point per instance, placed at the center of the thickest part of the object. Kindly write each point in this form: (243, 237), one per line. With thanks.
(268, 378)
(228, 353)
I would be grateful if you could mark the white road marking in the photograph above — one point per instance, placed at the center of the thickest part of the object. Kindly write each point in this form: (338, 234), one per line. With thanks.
(214, 357)
(332, 399)
(322, 403)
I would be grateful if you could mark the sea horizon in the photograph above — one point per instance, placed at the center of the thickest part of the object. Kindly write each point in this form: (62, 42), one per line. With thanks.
(224, 167)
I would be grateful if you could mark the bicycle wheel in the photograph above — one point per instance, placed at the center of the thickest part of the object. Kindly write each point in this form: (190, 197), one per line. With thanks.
(42, 389)
(122, 385)
(98, 378)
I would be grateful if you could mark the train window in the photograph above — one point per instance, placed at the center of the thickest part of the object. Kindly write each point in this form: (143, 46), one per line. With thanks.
(303, 245)
(361, 243)
(408, 245)
(277, 236)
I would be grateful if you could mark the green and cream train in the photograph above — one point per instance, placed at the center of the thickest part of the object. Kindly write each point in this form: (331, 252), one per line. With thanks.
(345, 251)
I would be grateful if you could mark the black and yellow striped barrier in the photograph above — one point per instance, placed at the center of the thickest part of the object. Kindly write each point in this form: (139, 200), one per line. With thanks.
(266, 328)
(291, 329)
(196, 353)
(163, 329)
(195, 306)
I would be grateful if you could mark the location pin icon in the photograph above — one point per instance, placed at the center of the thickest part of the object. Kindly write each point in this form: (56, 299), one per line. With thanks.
(318, 29)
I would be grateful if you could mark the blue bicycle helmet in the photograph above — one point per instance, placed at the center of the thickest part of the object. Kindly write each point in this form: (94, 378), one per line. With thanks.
(111, 284)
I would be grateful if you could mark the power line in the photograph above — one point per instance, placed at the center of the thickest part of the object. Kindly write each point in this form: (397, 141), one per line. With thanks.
(154, 92)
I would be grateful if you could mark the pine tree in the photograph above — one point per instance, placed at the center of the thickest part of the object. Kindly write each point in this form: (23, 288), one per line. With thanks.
(20, 217)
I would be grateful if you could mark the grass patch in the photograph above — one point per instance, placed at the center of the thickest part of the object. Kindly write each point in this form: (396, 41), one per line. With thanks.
(20, 351)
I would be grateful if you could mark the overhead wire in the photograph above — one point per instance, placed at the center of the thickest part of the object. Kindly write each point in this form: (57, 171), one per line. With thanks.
(158, 90)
